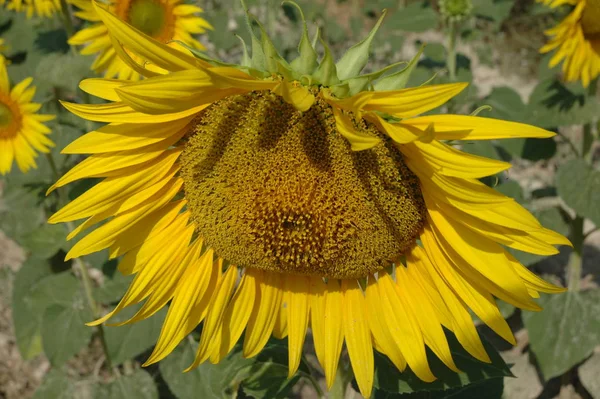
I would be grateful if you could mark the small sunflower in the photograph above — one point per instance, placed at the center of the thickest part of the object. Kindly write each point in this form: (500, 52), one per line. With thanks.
(270, 197)
(41, 8)
(22, 132)
(168, 21)
(576, 40)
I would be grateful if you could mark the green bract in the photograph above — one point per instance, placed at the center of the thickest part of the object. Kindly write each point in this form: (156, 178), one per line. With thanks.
(343, 77)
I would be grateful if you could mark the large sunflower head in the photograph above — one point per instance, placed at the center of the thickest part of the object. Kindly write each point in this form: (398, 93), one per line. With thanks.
(22, 132)
(269, 197)
(39, 8)
(169, 21)
(576, 40)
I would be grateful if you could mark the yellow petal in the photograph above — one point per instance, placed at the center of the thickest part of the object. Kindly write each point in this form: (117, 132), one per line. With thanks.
(111, 190)
(381, 333)
(146, 47)
(448, 161)
(358, 336)
(406, 103)
(464, 127)
(215, 314)
(426, 315)
(124, 137)
(358, 140)
(238, 313)
(189, 302)
(295, 94)
(120, 112)
(404, 328)
(474, 296)
(103, 88)
(462, 323)
(298, 291)
(263, 317)
(333, 332)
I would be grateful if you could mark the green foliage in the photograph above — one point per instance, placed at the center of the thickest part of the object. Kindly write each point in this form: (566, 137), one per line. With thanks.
(262, 377)
(128, 341)
(64, 332)
(578, 184)
(566, 332)
(139, 385)
(415, 17)
(389, 379)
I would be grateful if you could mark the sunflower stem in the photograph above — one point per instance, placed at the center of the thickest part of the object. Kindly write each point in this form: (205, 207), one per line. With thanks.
(68, 21)
(81, 266)
(451, 60)
(588, 133)
(575, 259)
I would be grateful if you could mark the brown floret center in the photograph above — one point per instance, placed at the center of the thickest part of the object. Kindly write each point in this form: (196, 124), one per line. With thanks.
(273, 188)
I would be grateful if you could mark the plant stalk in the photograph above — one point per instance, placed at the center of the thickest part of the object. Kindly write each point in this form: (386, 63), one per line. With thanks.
(68, 21)
(82, 267)
(451, 59)
(588, 132)
(574, 268)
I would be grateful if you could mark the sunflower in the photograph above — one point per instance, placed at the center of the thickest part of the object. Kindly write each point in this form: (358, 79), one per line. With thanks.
(21, 129)
(577, 40)
(41, 8)
(271, 197)
(168, 21)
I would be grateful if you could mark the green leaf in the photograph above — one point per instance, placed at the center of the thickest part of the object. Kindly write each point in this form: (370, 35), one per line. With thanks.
(326, 73)
(62, 71)
(20, 213)
(550, 218)
(26, 315)
(306, 63)
(46, 240)
(588, 374)
(435, 52)
(512, 189)
(506, 104)
(389, 379)
(113, 289)
(55, 385)
(530, 149)
(64, 332)
(495, 10)
(222, 38)
(139, 385)
(130, 340)
(482, 148)
(554, 104)
(207, 380)
(398, 80)
(488, 389)
(579, 186)
(565, 332)
(357, 56)
(414, 18)
(268, 377)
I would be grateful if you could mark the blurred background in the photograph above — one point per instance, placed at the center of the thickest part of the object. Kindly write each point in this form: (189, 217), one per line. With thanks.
(497, 47)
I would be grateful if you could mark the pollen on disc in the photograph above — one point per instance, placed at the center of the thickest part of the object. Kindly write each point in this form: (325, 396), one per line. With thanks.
(273, 188)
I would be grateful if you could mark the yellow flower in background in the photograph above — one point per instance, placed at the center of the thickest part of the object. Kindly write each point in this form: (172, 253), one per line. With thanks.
(22, 132)
(576, 40)
(270, 197)
(167, 21)
(39, 8)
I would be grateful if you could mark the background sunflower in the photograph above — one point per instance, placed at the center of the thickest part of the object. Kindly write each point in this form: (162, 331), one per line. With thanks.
(576, 40)
(39, 8)
(168, 21)
(22, 132)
